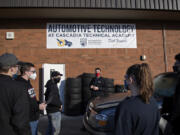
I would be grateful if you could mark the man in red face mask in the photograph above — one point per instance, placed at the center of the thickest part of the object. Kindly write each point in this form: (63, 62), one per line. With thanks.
(97, 84)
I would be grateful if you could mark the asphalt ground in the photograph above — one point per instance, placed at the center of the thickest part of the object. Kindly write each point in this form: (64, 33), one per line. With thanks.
(70, 125)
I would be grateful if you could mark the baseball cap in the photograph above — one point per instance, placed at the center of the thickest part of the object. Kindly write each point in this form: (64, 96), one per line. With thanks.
(8, 59)
(56, 73)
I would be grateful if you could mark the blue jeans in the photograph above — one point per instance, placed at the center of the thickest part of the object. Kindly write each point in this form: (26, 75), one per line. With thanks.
(34, 127)
(54, 123)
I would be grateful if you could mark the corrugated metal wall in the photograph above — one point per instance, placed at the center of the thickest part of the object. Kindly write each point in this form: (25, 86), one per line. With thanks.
(121, 4)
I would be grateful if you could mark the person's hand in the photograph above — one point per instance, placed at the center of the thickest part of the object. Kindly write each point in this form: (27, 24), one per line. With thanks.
(60, 108)
(96, 88)
(92, 86)
(42, 106)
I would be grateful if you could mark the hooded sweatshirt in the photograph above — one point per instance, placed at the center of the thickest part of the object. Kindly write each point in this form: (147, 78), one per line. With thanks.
(52, 97)
(14, 109)
(33, 103)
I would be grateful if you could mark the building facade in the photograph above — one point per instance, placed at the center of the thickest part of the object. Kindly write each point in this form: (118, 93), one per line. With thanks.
(157, 34)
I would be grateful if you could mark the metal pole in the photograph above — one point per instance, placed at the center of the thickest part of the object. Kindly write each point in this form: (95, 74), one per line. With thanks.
(164, 47)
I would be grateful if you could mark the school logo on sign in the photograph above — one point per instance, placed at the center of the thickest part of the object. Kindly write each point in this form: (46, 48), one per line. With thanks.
(62, 43)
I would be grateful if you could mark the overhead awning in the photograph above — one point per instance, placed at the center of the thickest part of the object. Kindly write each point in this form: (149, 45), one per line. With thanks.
(70, 13)
(173, 5)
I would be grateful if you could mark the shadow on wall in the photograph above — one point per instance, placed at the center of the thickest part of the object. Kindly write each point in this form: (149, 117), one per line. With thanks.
(41, 24)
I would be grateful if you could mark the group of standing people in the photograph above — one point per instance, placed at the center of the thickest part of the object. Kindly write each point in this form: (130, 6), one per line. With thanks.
(136, 115)
(19, 113)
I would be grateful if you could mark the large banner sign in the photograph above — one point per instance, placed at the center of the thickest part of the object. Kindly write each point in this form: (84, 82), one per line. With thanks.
(61, 35)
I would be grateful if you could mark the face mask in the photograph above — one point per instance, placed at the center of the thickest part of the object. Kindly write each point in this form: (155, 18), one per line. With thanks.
(57, 80)
(33, 76)
(15, 76)
(97, 74)
(125, 85)
(14, 72)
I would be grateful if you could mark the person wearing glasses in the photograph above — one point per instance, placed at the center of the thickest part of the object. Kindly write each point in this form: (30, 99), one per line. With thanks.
(28, 72)
(14, 105)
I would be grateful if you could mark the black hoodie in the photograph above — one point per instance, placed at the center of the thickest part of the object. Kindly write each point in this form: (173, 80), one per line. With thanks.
(52, 97)
(175, 114)
(14, 110)
(98, 82)
(34, 105)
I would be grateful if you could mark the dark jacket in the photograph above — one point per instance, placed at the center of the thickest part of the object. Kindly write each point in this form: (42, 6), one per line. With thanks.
(100, 83)
(175, 114)
(134, 117)
(14, 110)
(33, 103)
(171, 106)
(52, 97)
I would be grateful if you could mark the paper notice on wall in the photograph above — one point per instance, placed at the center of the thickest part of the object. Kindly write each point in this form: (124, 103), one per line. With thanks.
(62, 35)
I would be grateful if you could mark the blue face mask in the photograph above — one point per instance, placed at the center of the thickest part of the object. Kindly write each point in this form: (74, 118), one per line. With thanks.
(125, 85)
(15, 76)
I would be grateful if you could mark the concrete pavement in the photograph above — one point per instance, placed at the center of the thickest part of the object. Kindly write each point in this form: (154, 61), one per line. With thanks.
(70, 125)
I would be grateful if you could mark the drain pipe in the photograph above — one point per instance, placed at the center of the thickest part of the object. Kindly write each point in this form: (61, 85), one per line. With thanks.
(164, 47)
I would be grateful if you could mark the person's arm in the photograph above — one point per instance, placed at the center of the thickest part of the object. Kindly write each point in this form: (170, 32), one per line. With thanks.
(46, 94)
(123, 122)
(37, 105)
(91, 84)
(42, 106)
(20, 118)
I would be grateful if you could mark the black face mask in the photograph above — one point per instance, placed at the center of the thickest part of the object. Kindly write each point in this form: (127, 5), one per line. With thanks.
(15, 76)
(57, 80)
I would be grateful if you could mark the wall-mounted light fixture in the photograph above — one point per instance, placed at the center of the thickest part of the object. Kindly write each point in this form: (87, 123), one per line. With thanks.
(143, 57)
(9, 35)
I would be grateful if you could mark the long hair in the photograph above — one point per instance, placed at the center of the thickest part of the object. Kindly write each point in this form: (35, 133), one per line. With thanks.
(143, 78)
